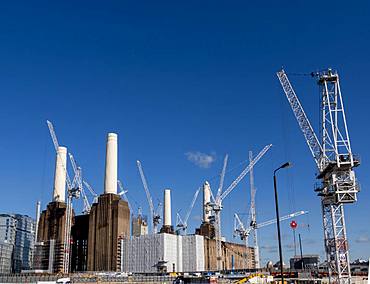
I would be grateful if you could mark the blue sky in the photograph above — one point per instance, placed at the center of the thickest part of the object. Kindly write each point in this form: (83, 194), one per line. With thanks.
(179, 78)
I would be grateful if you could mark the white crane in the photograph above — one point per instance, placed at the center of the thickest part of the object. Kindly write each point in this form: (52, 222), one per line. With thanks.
(123, 192)
(78, 182)
(221, 195)
(183, 224)
(92, 191)
(72, 193)
(154, 216)
(335, 162)
(253, 216)
(243, 232)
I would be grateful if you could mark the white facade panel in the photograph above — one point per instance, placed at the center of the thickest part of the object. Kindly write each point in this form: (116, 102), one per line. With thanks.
(193, 253)
(180, 253)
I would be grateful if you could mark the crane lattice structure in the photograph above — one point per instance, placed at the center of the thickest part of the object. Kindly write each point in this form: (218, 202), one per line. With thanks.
(253, 221)
(335, 162)
(182, 225)
(154, 215)
(123, 192)
(216, 205)
(78, 182)
(244, 232)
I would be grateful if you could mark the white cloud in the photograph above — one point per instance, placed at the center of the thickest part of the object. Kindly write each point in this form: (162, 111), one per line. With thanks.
(363, 239)
(200, 159)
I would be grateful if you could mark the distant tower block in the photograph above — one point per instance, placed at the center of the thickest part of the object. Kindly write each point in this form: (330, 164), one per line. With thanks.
(167, 216)
(111, 164)
(60, 175)
(109, 218)
(206, 201)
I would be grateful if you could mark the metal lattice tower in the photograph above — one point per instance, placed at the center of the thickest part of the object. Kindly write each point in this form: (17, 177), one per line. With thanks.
(335, 162)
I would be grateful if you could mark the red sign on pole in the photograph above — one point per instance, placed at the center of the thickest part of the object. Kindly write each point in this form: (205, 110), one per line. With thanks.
(293, 225)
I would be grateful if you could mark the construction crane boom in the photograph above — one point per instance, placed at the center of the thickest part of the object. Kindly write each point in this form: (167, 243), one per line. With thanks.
(244, 232)
(153, 215)
(123, 192)
(222, 178)
(335, 161)
(244, 172)
(91, 190)
(217, 205)
(286, 217)
(56, 146)
(305, 125)
(183, 224)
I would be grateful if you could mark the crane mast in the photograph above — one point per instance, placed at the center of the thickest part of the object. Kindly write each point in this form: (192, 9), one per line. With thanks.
(335, 161)
(253, 213)
(221, 195)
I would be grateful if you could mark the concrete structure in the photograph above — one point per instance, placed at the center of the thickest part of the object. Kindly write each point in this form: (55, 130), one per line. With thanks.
(234, 255)
(167, 213)
(49, 248)
(111, 164)
(109, 219)
(206, 201)
(79, 245)
(17, 233)
(162, 252)
(59, 191)
(139, 226)
(50, 238)
(308, 261)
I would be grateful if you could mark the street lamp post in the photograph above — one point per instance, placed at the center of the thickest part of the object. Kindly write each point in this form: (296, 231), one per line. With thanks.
(286, 165)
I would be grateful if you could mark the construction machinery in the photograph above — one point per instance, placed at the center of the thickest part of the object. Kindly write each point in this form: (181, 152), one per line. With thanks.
(253, 220)
(182, 225)
(216, 205)
(78, 182)
(73, 192)
(243, 232)
(335, 162)
(123, 192)
(154, 215)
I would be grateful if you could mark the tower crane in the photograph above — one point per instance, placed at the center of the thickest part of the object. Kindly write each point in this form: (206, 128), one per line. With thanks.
(78, 181)
(243, 232)
(73, 192)
(221, 195)
(92, 191)
(253, 216)
(183, 224)
(335, 162)
(123, 192)
(155, 217)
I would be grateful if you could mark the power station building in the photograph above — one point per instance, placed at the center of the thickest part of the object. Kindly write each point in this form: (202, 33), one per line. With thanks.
(101, 240)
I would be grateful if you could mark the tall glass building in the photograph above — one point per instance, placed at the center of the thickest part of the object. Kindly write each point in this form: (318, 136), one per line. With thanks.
(17, 238)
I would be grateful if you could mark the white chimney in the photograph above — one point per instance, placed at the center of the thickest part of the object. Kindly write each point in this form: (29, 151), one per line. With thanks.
(167, 208)
(206, 200)
(38, 210)
(111, 164)
(60, 175)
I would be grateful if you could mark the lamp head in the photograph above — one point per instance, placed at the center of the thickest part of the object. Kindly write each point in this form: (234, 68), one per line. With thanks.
(286, 165)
